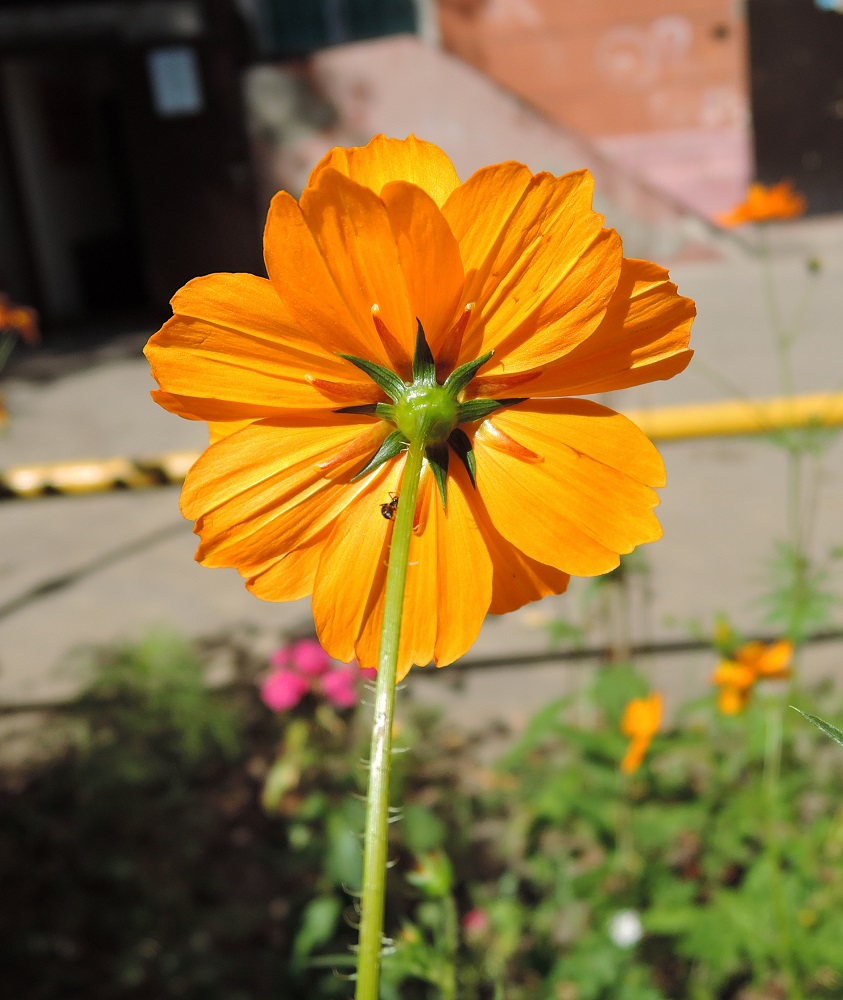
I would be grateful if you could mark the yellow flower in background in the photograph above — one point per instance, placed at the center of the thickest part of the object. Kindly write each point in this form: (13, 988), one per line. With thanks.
(391, 285)
(766, 204)
(640, 722)
(752, 662)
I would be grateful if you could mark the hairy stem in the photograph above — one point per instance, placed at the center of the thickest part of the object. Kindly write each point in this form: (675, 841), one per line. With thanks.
(376, 840)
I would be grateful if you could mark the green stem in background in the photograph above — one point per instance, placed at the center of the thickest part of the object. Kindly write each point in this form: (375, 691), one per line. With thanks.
(7, 345)
(448, 986)
(376, 841)
(772, 769)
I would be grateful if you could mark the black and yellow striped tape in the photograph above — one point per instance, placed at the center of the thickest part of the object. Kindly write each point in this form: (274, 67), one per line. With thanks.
(94, 475)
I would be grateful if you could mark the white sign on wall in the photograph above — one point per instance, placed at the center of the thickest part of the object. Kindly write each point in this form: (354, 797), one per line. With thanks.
(175, 81)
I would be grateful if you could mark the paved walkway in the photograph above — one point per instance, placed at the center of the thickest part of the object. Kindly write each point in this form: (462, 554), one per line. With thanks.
(121, 563)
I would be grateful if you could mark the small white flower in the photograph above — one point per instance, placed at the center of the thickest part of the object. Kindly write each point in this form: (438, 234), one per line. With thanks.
(625, 928)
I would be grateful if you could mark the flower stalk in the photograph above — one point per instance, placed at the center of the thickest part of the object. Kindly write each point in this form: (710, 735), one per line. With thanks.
(376, 836)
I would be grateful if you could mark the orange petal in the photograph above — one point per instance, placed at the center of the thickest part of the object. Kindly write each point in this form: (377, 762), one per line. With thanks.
(311, 300)
(643, 336)
(261, 492)
(222, 429)
(517, 579)
(733, 675)
(732, 701)
(224, 355)
(429, 257)
(642, 717)
(292, 576)
(767, 660)
(384, 160)
(634, 756)
(538, 263)
(350, 581)
(448, 588)
(351, 229)
(590, 496)
(463, 591)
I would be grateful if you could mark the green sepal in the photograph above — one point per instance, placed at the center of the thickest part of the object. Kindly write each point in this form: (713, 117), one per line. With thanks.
(424, 367)
(464, 450)
(392, 446)
(460, 377)
(383, 378)
(385, 410)
(438, 457)
(477, 409)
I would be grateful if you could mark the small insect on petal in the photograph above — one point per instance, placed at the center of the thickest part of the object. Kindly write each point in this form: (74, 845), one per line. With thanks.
(389, 510)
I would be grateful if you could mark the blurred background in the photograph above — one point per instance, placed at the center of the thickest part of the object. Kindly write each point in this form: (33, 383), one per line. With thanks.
(179, 778)
(141, 142)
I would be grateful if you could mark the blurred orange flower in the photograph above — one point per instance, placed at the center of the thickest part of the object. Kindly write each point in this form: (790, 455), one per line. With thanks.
(18, 319)
(303, 377)
(753, 662)
(640, 722)
(766, 204)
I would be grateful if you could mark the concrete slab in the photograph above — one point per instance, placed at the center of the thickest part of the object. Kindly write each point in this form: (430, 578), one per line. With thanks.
(122, 562)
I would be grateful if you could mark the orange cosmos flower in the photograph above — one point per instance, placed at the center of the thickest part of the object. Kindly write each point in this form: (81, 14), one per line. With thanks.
(753, 662)
(391, 284)
(766, 204)
(641, 720)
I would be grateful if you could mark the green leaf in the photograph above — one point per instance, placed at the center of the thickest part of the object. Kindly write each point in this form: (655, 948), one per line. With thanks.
(316, 927)
(385, 410)
(424, 367)
(826, 727)
(423, 830)
(438, 457)
(391, 447)
(478, 409)
(460, 377)
(385, 379)
(464, 450)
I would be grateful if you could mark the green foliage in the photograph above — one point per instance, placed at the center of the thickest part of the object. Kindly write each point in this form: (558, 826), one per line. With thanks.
(217, 856)
(825, 727)
(798, 596)
(156, 688)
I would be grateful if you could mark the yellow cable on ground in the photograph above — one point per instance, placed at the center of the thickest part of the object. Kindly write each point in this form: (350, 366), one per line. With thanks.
(740, 417)
(670, 423)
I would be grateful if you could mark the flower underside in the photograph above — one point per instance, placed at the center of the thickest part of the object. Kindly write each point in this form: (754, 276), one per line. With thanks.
(426, 409)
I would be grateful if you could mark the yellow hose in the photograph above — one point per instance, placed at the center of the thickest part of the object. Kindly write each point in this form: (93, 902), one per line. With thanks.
(670, 423)
(736, 417)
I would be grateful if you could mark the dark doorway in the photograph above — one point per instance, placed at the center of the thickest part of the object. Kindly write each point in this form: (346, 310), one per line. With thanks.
(125, 171)
(66, 149)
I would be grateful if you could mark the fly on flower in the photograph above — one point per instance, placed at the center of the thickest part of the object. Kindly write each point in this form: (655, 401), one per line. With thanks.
(403, 305)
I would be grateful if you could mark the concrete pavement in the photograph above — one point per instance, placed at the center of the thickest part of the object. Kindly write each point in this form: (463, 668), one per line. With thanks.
(121, 563)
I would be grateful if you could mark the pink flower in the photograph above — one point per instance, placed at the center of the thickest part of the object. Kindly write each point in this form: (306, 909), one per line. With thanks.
(284, 689)
(475, 923)
(304, 666)
(308, 657)
(281, 657)
(340, 687)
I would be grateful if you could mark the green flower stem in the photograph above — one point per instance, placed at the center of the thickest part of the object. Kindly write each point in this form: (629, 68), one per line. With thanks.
(772, 770)
(7, 344)
(448, 985)
(380, 755)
